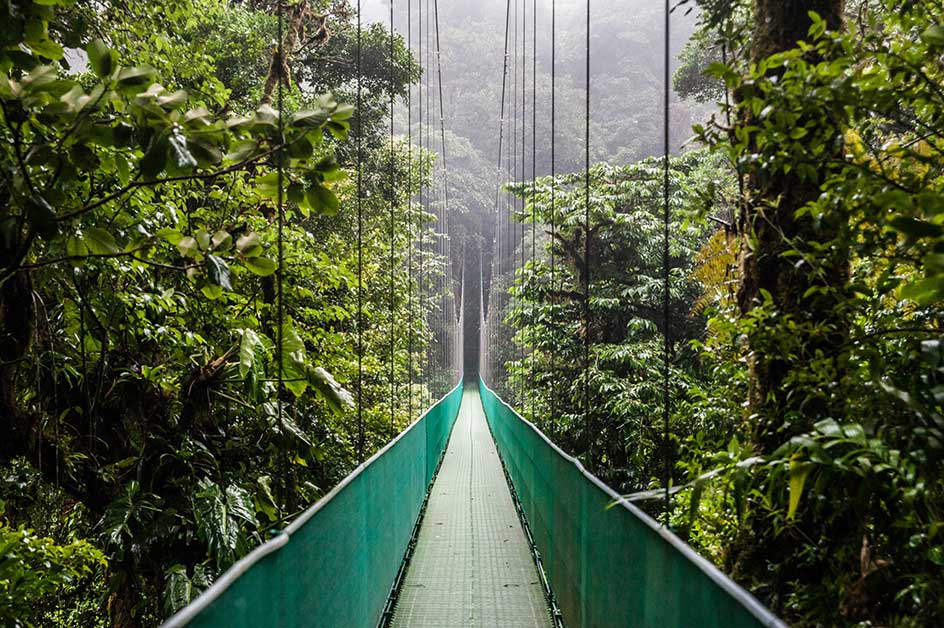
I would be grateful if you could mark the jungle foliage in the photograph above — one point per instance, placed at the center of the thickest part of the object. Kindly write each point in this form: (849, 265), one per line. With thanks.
(144, 449)
(805, 311)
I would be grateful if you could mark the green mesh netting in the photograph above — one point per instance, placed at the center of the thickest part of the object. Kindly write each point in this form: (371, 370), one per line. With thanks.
(607, 562)
(335, 565)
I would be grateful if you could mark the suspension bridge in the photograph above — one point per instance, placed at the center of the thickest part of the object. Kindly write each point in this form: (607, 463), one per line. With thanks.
(472, 516)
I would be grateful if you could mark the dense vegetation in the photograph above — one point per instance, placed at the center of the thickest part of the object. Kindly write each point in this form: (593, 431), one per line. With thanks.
(147, 445)
(805, 311)
(144, 450)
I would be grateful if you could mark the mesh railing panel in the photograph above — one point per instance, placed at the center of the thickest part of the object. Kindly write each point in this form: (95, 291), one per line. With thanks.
(334, 566)
(608, 563)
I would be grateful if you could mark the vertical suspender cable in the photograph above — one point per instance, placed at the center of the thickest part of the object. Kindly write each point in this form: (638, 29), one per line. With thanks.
(444, 210)
(427, 271)
(586, 256)
(534, 178)
(360, 245)
(419, 218)
(665, 270)
(280, 272)
(409, 215)
(513, 223)
(494, 300)
(393, 237)
(524, 152)
(553, 194)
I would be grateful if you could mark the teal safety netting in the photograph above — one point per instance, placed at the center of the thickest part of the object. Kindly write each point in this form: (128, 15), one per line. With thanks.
(334, 566)
(607, 562)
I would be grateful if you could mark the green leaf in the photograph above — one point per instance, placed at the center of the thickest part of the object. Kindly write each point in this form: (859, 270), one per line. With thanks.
(934, 36)
(178, 591)
(338, 398)
(798, 474)
(75, 247)
(267, 185)
(239, 503)
(135, 79)
(171, 236)
(101, 58)
(221, 240)
(188, 246)
(261, 266)
(924, 291)
(293, 360)
(99, 241)
(211, 291)
(249, 245)
(308, 119)
(322, 200)
(214, 524)
(251, 351)
(264, 500)
(218, 271)
(242, 151)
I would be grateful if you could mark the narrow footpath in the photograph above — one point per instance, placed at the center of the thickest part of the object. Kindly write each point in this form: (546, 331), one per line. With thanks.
(472, 565)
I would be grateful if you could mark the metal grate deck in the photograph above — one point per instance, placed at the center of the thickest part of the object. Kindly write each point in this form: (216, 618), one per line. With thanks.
(472, 565)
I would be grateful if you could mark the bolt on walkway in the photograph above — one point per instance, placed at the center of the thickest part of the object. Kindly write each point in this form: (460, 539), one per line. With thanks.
(472, 565)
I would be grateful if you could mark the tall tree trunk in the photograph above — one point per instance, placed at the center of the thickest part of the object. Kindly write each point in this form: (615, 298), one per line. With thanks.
(769, 227)
(784, 400)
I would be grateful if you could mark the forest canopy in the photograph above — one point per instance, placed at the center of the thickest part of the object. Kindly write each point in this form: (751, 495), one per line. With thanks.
(228, 276)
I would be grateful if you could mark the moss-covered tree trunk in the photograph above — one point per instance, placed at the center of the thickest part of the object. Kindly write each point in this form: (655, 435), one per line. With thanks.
(769, 228)
(793, 310)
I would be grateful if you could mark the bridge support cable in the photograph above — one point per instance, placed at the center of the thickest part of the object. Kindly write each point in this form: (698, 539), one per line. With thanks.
(534, 196)
(409, 216)
(280, 257)
(360, 238)
(497, 260)
(666, 278)
(553, 283)
(393, 233)
(586, 257)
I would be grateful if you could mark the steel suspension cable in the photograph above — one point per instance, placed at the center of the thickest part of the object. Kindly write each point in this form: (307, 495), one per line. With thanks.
(360, 242)
(519, 220)
(427, 271)
(409, 215)
(280, 235)
(498, 195)
(586, 257)
(422, 371)
(534, 185)
(444, 209)
(418, 243)
(393, 234)
(666, 286)
(513, 214)
(553, 193)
